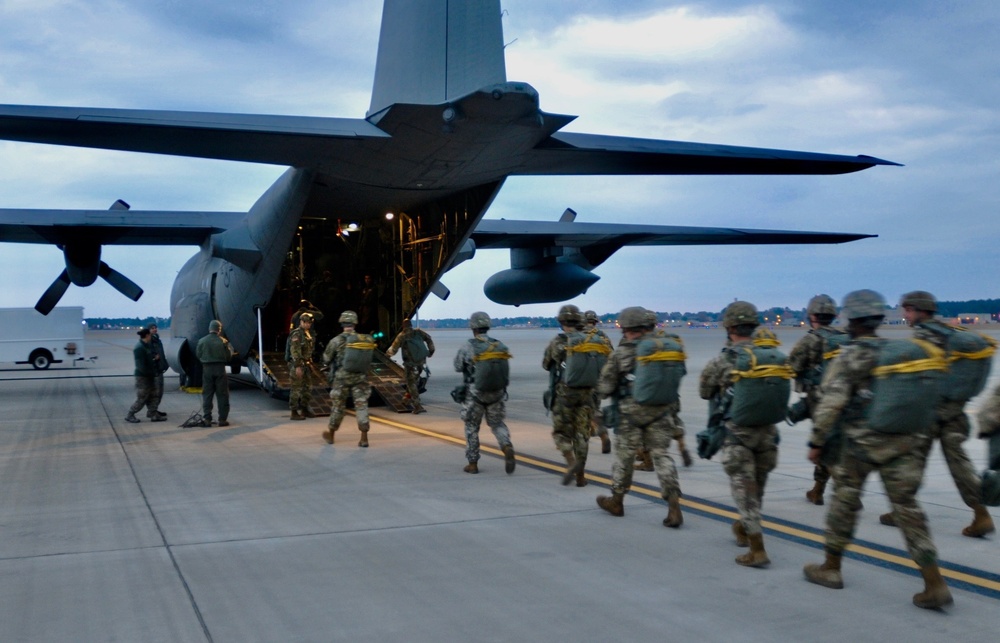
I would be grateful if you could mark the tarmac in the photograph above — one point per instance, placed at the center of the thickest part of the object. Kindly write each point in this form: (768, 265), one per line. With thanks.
(260, 531)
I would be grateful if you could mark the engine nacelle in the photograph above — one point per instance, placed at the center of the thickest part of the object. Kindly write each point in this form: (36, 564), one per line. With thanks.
(539, 284)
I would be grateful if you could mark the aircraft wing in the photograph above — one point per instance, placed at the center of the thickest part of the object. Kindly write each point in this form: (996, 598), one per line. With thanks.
(567, 153)
(113, 227)
(256, 138)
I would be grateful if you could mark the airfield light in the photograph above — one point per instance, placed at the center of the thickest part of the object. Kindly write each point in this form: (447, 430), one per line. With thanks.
(352, 227)
(389, 216)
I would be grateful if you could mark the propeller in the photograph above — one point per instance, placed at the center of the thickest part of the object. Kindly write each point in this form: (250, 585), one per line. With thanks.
(120, 282)
(53, 294)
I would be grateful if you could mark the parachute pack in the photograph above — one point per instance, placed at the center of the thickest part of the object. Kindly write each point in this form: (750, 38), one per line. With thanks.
(905, 385)
(416, 347)
(969, 356)
(586, 354)
(490, 371)
(358, 353)
(833, 341)
(761, 385)
(659, 368)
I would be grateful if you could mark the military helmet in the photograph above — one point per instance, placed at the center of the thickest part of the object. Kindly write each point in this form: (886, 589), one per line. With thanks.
(348, 317)
(633, 317)
(990, 489)
(651, 319)
(921, 300)
(479, 320)
(214, 326)
(764, 336)
(306, 317)
(570, 315)
(822, 305)
(590, 317)
(740, 313)
(863, 303)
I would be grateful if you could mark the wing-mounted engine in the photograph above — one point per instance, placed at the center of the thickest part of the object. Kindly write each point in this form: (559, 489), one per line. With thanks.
(83, 267)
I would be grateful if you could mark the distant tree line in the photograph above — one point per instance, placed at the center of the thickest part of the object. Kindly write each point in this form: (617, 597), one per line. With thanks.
(118, 323)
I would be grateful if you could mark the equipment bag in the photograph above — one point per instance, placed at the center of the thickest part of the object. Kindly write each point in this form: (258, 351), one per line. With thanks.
(969, 356)
(358, 353)
(586, 355)
(905, 385)
(490, 370)
(761, 386)
(659, 368)
(415, 347)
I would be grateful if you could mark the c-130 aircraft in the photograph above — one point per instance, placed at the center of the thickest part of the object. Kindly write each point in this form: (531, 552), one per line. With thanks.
(444, 130)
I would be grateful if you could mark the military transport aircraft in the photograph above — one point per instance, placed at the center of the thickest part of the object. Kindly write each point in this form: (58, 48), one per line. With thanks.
(386, 203)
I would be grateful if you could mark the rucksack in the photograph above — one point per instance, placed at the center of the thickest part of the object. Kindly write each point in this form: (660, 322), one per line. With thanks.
(358, 353)
(416, 347)
(659, 367)
(969, 356)
(761, 385)
(833, 342)
(586, 355)
(490, 370)
(905, 385)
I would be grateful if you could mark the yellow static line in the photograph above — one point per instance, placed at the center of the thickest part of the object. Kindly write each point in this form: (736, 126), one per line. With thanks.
(724, 513)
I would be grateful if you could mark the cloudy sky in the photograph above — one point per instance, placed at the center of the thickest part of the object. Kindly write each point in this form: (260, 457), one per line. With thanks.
(912, 81)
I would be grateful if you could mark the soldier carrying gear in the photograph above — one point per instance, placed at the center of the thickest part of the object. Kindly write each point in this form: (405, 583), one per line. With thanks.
(597, 425)
(641, 424)
(856, 384)
(738, 385)
(809, 359)
(417, 346)
(349, 357)
(969, 355)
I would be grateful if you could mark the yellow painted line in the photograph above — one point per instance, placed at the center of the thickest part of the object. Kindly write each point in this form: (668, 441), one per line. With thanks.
(709, 509)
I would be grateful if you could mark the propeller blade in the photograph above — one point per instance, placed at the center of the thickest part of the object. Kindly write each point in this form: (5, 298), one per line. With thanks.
(120, 282)
(53, 294)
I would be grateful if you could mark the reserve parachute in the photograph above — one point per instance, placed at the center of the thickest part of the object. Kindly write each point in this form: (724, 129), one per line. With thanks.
(905, 385)
(761, 385)
(490, 367)
(586, 354)
(659, 367)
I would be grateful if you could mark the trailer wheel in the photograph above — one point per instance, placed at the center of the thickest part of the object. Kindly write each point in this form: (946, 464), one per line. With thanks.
(40, 359)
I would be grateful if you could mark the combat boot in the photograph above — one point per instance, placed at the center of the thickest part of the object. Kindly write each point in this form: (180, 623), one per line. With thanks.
(756, 557)
(581, 479)
(509, 462)
(131, 418)
(158, 418)
(571, 467)
(982, 523)
(815, 495)
(935, 592)
(612, 504)
(674, 517)
(363, 442)
(741, 533)
(328, 435)
(307, 412)
(472, 467)
(887, 519)
(296, 415)
(647, 461)
(605, 443)
(827, 574)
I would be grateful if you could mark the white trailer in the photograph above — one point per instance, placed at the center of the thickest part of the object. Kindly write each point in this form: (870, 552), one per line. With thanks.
(29, 337)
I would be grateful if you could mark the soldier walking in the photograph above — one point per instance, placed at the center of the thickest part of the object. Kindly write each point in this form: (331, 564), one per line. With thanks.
(301, 343)
(214, 353)
(649, 424)
(750, 449)
(889, 442)
(160, 367)
(350, 355)
(417, 346)
(590, 321)
(145, 371)
(483, 363)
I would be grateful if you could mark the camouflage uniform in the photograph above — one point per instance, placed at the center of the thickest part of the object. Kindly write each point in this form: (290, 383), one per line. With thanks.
(480, 404)
(749, 453)
(899, 458)
(301, 346)
(411, 366)
(572, 408)
(652, 426)
(596, 422)
(355, 385)
(951, 426)
(989, 415)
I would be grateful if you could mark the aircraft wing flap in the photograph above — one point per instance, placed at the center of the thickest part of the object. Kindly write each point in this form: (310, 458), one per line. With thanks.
(505, 233)
(567, 153)
(256, 138)
(113, 227)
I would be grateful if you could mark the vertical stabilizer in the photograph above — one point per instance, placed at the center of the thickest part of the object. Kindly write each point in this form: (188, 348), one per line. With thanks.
(431, 51)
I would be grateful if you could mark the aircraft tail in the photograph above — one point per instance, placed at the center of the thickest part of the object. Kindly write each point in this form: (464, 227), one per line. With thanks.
(431, 51)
